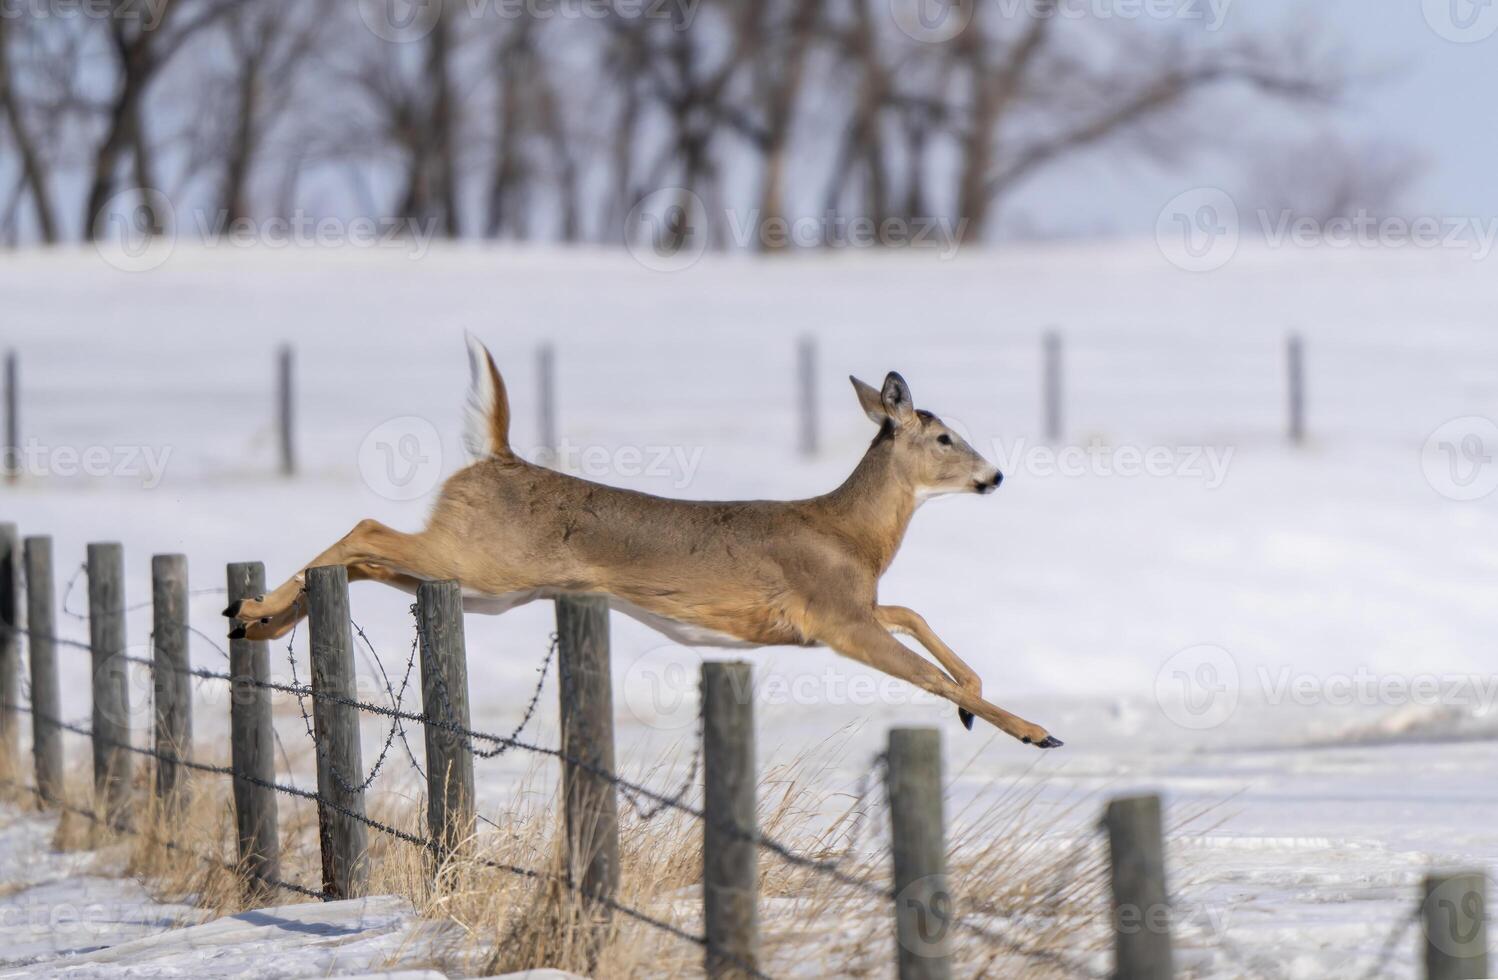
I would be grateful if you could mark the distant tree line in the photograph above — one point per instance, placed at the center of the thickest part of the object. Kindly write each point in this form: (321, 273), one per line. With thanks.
(550, 120)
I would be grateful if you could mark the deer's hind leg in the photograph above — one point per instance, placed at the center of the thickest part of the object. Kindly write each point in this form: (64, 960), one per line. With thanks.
(370, 551)
(867, 640)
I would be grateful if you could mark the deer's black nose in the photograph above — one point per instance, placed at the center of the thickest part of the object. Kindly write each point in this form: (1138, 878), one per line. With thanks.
(997, 479)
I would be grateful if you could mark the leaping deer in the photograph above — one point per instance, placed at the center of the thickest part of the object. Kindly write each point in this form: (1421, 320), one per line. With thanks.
(747, 574)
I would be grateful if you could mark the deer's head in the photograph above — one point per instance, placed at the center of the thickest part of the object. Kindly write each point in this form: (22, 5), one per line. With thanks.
(926, 453)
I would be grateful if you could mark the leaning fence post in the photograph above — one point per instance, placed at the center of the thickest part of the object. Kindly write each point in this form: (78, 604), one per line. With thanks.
(286, 409)
(12, 446)
(10, 645)
(444, 696)
(252, 742)
(923, 902)
(590, 799)
(1454, 915)
(1141, 904)
(730, 874)
(46, 694)
(172, 687)
(340, 763)
(111, 712)
(806, 376)
(1053, 392)
(1295, 364)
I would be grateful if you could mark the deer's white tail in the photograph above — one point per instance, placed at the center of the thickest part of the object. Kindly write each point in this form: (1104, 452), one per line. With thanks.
(486, 428)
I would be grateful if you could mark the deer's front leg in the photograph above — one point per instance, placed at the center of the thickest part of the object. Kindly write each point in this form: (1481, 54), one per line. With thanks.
(868, 641)
(899, 619)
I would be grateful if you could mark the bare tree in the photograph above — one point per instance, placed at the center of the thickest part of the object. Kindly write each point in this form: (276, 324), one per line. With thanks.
(1327, 176)
(33, 168)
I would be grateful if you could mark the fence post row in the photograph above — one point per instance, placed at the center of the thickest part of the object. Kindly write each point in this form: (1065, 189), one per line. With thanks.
(730, 872)
(591, 801)
(1454, 914)
(12, 447)
(1141, 903)
(340, 762)
(924, 910)
(444, 695)
(46, 694)
(1052, 384)
(1295, 363)
(111, 710)
(546, 399)
(806, 376)
(252, 742)
(172, 687)
(286, 408)
(10, 646)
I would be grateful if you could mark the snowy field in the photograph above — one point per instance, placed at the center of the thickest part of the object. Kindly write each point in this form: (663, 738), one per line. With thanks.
(1297, 640)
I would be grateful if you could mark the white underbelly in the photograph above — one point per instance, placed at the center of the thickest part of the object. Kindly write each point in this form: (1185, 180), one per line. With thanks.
(686, 634)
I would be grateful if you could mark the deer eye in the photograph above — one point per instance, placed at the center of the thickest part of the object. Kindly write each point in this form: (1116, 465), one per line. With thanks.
(944, 439)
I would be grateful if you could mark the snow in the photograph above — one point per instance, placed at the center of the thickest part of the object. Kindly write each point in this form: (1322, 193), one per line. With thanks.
(1342, 602)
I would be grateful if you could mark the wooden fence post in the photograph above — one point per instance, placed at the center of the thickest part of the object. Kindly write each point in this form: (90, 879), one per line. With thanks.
(172, 688)
(1053, 386)
(806, 376)
(1141, 903)
(1454, 914)
(111, 711)
(12, 447)
(444, 696)
(286, 408)
(46, 693)
(1295, 363)
(546, 393)
(923, 903)
(340, 762)
(10, 646)
(730, 874)
(252, 742)
(591, 801)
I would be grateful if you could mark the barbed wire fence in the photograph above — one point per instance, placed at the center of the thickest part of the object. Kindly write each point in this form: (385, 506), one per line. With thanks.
(929, 923)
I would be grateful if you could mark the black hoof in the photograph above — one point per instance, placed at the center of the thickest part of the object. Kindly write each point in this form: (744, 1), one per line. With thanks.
(966, 717)
(1050, 742)
(237, 633)
(233, 611)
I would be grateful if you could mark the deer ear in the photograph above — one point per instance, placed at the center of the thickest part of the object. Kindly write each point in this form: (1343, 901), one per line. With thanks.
(870, 399)
(898, 404)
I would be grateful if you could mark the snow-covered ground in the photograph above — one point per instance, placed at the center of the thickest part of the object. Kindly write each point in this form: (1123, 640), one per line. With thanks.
(1298, 640)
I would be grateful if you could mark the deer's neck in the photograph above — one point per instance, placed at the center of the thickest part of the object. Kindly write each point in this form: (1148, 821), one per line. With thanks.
(873, 507)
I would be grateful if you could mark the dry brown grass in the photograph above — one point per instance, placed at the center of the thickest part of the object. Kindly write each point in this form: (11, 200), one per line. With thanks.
(1027, 906)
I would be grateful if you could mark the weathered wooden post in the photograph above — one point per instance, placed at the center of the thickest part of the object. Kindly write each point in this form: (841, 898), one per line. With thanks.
(12, 447)
(340, 761)
(444, 696)
(111, 711)
(10, 646)
(590, 801)
(924, 909)
(1053, 390)
(1454, 915)
(730, 872)
(46, 693)
(286, 408)
(1295, 363)
(252, 742)
(1141, 903)
(546, 393)
(806, 377)
(172, 688)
